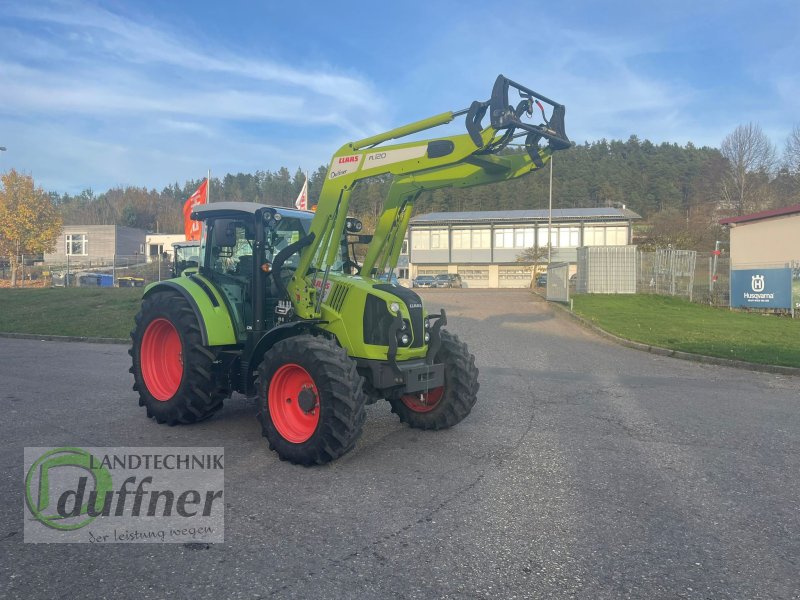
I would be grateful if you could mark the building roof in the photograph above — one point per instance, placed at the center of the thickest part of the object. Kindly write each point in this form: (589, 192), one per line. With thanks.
(559, 214)
(764, 214)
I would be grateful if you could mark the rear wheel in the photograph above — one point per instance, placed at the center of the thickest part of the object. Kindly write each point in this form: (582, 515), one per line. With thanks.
(449, 404)
(312, 400)
(172, 370)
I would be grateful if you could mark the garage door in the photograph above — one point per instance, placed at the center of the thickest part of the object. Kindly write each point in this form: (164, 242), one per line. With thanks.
(474, 277)
(515, 277)
(431, 270)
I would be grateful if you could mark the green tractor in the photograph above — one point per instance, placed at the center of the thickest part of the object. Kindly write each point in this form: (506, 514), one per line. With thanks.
(185, 255)
(279, 309)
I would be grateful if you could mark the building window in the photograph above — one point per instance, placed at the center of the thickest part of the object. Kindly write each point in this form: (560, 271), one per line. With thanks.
(503, 238)
(541, 239)
(439, 239)
(481, 239)
(421, 239)
(429, 239)
(77, 244)
(461, 239)
(605, 236)
(404, 248)
(569, 237)
(616, 236)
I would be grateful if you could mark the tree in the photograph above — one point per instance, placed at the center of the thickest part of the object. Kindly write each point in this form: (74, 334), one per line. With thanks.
(751, 156)
(673, 228)
(535, 255)
(791, 154)
(29, 222)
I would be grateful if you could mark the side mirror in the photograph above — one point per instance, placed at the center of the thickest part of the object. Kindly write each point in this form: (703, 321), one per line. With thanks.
(223, 234)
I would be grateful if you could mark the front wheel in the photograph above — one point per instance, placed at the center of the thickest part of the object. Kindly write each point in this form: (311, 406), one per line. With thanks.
(449, 404)
(312, 400)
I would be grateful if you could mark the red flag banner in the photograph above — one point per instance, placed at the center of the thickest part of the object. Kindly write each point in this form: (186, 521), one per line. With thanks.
(190, 227)
(302, 199)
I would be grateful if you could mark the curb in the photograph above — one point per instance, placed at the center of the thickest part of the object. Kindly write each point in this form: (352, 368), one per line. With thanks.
(700, 358)
(63, 338)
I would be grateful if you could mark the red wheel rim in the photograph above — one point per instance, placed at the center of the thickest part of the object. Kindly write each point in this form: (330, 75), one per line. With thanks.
(161, 359)
(292, 422)
(423, 402)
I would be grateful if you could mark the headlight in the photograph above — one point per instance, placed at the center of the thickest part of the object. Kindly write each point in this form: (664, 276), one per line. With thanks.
(427, 324)
(404, 339)
(427, 337)
(394, 307)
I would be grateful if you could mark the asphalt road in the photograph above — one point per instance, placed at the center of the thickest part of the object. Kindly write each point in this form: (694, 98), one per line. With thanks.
(586, 470)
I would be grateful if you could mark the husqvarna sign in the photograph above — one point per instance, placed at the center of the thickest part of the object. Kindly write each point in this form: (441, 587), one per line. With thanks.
(761, 288)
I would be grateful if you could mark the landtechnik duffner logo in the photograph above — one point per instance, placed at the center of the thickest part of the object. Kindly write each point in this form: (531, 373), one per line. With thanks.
(108, 495)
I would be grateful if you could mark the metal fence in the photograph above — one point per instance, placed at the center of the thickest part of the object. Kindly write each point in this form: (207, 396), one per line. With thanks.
(558, 282)
(672, 272)
(114, 271)
(667, 272)
(607, 270)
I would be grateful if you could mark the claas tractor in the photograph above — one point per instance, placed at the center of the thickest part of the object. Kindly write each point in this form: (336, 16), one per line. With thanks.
(185, 255)
(279, 309)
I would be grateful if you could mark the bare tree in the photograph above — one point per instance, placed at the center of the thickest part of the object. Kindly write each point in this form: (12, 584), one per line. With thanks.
(791, 155)
(751, 157)
(536, 255)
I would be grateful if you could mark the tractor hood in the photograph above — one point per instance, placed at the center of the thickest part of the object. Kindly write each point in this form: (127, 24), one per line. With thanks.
(364, 312)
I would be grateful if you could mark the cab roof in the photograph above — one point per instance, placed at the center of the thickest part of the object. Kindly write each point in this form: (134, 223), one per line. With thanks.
(243, 209)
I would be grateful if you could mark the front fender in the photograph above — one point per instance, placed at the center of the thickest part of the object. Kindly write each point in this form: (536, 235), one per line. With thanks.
(216, 327)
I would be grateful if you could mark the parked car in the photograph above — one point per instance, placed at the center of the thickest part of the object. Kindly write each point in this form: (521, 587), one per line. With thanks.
(423, 281)
(541, 280)
(448, 280)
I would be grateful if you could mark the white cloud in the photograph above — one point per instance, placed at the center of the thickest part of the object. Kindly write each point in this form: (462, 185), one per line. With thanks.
(91, 98)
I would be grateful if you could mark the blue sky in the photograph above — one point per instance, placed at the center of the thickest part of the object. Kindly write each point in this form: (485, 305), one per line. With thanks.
(98, 94)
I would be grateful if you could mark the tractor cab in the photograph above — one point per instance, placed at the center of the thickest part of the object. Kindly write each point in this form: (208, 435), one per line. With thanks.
(239, 243)
(185, 255)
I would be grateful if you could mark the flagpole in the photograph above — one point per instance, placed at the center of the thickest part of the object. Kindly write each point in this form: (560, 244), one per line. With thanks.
(208, 187)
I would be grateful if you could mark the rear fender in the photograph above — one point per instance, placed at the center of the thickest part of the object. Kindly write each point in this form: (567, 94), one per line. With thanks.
(216, 327)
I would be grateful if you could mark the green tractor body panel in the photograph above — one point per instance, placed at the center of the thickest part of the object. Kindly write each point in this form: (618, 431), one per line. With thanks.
(356, 312)
(209, 305)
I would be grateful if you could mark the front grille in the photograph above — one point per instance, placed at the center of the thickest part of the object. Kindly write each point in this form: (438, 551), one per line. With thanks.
(337, 296)
(377, 320)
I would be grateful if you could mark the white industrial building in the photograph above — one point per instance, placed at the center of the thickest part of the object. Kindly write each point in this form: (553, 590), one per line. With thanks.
(483, 246)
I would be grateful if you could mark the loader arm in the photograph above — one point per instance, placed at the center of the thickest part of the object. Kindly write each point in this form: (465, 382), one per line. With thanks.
(465, 160)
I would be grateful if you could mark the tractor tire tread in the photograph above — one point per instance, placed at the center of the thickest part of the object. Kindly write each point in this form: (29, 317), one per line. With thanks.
(342, 401)
(461, 391)
(198, 396)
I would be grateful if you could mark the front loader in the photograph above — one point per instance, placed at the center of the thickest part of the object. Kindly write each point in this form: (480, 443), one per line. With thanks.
(279, 309)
